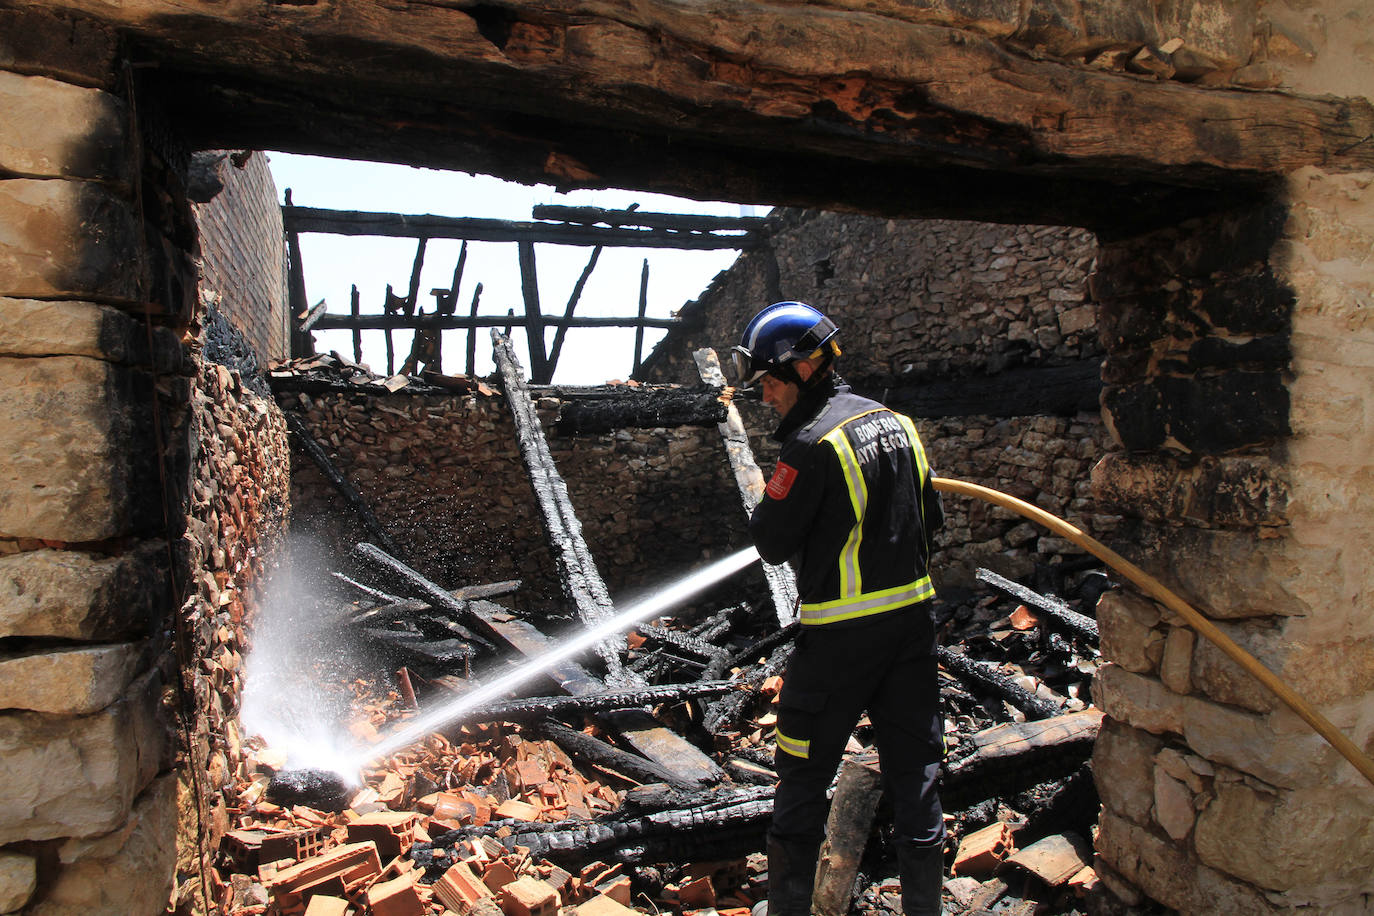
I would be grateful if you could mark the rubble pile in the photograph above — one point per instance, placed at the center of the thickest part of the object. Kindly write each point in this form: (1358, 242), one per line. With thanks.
(510, 813)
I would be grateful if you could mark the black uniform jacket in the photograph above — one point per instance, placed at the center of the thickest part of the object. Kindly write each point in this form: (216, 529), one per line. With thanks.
(851, 503)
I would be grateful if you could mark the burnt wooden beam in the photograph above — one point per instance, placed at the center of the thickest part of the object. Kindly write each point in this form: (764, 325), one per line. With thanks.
(331, 473)
(640, 408)
(470, 366)
(577, 568)
(444, 322)
(568, 309)
(1056, 612)
(1007, 758)
(984, 678)
(725, 713)
(474, 229)
(782, 582)
(847, 830)
(639, 328)
(583, 747)
(887, 107)
(636, 727)
(534, 316)
(633, 216)
(527, 708)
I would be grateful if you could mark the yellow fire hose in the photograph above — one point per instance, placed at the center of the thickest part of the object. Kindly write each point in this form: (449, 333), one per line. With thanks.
(1156, 590)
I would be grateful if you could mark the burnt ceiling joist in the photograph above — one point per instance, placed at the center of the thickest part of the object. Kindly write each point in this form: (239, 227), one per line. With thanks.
(770, 103)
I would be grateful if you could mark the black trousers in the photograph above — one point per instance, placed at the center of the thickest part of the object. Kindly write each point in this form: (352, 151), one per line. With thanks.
(885, 665)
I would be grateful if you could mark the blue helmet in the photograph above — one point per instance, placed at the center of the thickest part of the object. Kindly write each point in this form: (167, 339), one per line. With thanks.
(778, 336)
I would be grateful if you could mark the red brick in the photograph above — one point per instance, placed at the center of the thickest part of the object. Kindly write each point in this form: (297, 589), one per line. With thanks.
(397, 897)
(528, 896)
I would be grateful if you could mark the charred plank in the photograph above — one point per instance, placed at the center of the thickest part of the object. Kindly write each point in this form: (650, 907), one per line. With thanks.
(1058, 613)
(984, 678)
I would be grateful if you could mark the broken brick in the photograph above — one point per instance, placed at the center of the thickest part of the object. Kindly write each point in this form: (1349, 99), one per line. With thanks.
(396, 897)
(528, 896)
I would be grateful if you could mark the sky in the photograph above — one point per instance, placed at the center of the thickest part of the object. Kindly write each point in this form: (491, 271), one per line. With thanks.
(590, 356)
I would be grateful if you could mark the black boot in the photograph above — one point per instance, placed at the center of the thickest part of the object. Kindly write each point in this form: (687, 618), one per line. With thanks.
(922, 870)
(791, 879)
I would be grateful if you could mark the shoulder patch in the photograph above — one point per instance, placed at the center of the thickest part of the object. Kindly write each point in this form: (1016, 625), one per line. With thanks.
(781, 482)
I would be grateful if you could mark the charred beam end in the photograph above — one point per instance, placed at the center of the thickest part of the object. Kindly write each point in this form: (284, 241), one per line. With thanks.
(632, 408)
(984, 678)
(1058, 613)
(584, 747)
(542, 707)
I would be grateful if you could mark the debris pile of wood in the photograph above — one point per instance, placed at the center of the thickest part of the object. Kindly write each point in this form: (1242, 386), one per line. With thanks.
(334, 372)
(541, 803)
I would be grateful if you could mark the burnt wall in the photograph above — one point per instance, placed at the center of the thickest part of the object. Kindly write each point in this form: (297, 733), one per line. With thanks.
(444, 475)
(242, 247)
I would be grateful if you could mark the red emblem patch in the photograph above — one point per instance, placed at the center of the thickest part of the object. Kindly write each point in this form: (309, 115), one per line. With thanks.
(782, 480)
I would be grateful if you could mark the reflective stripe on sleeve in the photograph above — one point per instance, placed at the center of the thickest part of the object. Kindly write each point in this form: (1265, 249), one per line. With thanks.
(792, 746)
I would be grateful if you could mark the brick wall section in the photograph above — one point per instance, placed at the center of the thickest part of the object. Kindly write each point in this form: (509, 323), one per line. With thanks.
(243, 254)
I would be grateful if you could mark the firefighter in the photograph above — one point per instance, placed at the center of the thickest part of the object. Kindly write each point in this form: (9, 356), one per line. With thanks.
(851, 504)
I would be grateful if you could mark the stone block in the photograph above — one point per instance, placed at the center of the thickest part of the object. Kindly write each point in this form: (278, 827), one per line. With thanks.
(67, 239)
(68, 681)
(83, 596)
(1166, 873)
(1175, 666)
(74, 479)
(1140, 701)
(1123, 761)
(1318, 841)
(1230, 491)
(1206, 415)
(18, 880)
(78, 776)
(1279, 749)
(33, 327)
(1173, 807)
(53, 129)
(1214, 674)
(1127, 623)
(129, 869)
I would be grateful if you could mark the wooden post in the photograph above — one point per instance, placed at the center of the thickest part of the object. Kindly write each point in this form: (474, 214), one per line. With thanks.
(472, 333)
(534, 329)
(301, 342)
(568, 311)
(354, 307)
(643, 307)
(851, 821)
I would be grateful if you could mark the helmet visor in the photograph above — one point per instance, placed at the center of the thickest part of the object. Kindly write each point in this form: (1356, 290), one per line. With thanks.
(742, 361)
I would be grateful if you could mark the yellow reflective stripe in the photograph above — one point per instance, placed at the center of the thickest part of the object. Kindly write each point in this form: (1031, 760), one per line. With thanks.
(922, 465)
(866, 605)
(851, 579)
(792, 746)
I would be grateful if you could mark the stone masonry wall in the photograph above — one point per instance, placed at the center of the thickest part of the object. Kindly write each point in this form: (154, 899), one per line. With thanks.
(238, 509)
(88, 586)
(915, 300)
(444, 475)
(242, 251)
(1234, 394)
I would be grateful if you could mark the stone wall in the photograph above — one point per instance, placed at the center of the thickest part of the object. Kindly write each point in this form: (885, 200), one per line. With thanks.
(1232, 397)
(238, 512)
(915, 300)
(444, 475)
(242, 248)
